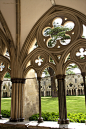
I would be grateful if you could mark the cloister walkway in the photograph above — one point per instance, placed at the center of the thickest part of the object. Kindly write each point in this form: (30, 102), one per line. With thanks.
(4, 123)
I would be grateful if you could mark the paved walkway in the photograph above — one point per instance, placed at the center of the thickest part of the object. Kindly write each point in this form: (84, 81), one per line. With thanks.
(45, 124)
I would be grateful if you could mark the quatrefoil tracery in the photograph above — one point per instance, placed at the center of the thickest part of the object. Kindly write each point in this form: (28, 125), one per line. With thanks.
(39, 61)
(2, 66)
(81, 53)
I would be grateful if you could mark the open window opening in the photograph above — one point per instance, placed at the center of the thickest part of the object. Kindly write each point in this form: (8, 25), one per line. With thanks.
(74, 90)
(84, 32)
(49, 91)
(6, 93)
(59, 32)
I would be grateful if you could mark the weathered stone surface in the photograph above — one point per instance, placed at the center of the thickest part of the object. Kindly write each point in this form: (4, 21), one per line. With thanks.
(31, 101)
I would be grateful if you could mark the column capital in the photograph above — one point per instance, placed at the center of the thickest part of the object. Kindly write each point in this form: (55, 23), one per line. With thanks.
(60, 76)
(83, 74)
(18, 80)
(1, 82)
(38, 78)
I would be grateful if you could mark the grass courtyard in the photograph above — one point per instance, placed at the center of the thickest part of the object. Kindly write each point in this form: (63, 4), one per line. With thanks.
(75, 104)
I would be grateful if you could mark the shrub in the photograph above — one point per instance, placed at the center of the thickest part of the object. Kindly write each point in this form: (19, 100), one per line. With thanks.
(73, 117)
(5, 113)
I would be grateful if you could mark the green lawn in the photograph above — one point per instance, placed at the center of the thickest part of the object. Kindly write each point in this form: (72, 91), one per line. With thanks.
(75, 104)
(6, 104)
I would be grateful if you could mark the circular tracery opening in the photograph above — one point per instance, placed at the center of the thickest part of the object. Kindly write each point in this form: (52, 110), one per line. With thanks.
(58, 32)
(57, 21)
(69, 24)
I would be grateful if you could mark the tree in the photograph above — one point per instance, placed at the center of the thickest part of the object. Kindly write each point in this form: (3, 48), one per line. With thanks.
(7, 75)
(56, 33)
(70, 68)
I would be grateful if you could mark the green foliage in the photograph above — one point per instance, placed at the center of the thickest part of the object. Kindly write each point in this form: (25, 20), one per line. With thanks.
(7, 75)
(58, 32)
(5, 113)
(70, 68)
(47, 116)
(77, 117)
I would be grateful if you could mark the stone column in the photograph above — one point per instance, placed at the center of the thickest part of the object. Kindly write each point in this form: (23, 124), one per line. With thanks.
(0, 99)
(40, 119)
(76, 92)
(84, 80)
(17, 100)
(62, 100)
(21, 100)
(71, 92)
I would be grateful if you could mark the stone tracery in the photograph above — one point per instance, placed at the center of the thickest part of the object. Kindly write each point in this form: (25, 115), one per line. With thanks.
(58, 53)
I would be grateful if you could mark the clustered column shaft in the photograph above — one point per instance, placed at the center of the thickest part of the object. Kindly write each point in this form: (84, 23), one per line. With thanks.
(17, 99)
(62, 100)
(84, 80)
(40, 119)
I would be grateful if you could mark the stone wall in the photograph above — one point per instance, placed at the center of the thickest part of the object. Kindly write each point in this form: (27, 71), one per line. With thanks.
(6, 90)
(31, 101)
(74, 85)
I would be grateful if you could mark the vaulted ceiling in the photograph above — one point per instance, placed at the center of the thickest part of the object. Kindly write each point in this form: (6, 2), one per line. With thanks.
(31, 11)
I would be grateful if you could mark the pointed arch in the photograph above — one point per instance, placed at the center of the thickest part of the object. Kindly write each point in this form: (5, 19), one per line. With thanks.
(34, 52)
(32, 34)
(7, 34)
(47, 65)
(70, 62)
(72, 47)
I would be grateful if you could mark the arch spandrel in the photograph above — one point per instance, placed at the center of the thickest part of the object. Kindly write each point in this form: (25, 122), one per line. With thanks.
(48, 23)
(58, 53)
(39, 60)
(33, 31)
(6, 35)
(35, 54)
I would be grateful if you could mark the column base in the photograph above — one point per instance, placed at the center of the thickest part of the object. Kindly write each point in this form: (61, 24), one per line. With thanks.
(21, 119)
(40, 120)
(67, 121)
(13, 120)
(63, 121)
(0, 116)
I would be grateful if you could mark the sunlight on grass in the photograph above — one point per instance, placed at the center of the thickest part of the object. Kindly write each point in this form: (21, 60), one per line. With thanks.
(75, 104)
(6, 104)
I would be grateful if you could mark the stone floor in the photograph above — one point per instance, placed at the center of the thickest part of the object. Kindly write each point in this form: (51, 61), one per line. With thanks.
(4, 123)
